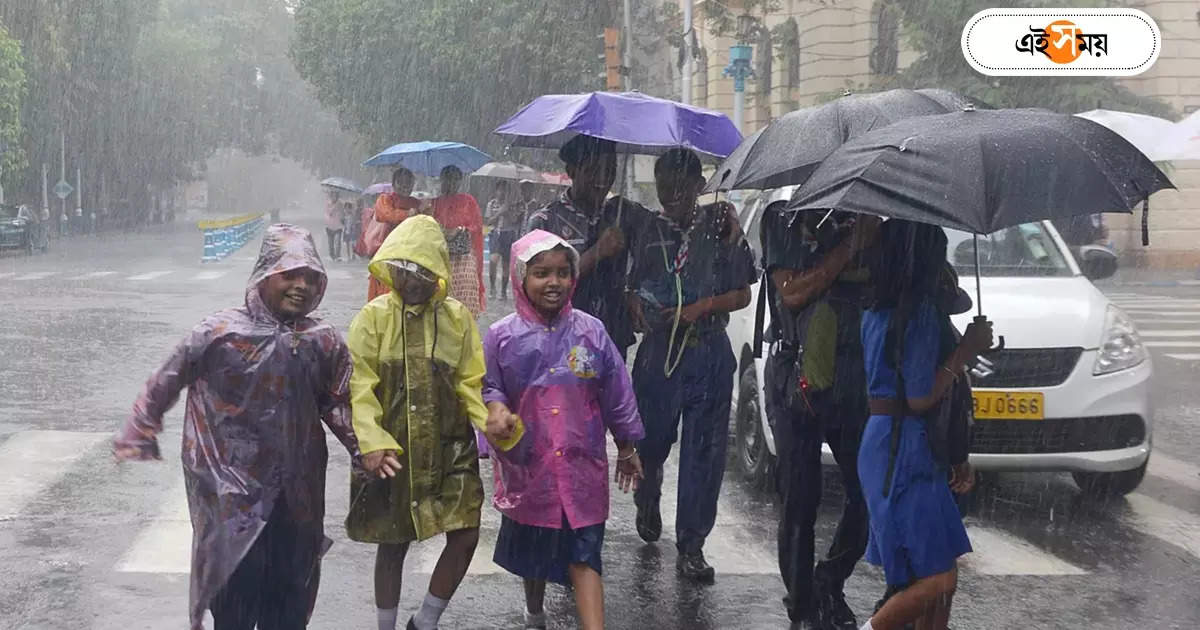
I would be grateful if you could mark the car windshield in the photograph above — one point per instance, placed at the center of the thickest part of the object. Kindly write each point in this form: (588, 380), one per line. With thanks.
(1022, 251)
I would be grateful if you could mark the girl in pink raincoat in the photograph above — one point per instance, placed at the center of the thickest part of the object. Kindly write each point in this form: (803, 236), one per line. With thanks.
(558, 370)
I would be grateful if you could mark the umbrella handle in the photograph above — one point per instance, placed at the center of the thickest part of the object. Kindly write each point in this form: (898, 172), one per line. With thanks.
(980, 319)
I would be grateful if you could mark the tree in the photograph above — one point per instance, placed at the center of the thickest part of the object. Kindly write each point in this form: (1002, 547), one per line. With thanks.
(396, 70)
(12, 92)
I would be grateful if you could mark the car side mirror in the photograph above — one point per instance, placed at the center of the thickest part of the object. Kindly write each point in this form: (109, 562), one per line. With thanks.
(1097, 263)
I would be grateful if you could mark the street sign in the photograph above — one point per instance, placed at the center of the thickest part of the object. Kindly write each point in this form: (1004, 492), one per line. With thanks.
(62, 189)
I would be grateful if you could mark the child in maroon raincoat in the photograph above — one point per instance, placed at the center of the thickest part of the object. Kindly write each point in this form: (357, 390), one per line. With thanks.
(261, 379)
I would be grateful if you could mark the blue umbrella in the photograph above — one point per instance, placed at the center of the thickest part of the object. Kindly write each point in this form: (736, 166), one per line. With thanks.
(429, 158)
(636, 122)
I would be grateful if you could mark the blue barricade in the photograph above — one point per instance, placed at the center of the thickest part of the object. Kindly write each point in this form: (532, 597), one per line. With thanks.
(222, 238)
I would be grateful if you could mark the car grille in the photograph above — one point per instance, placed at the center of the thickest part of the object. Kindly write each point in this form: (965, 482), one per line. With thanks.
(1057, 435)
(1033, 367)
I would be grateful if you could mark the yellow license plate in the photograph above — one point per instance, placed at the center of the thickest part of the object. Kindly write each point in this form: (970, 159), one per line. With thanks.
(1009, 405)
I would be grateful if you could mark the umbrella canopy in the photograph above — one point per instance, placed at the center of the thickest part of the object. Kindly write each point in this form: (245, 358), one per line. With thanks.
(556, 179)
(636, 122)
(1148, 133)
(506, 170)
(378, 188)
(787, 151)
(341, 183)
(981, 171)
(429, 158)
(1184, 139)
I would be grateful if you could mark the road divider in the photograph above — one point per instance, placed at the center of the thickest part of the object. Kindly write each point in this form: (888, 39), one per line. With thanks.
(224, 237)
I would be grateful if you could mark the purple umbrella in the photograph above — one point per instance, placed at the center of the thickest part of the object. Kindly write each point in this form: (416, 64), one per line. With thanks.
(378, 188)
(637, 123)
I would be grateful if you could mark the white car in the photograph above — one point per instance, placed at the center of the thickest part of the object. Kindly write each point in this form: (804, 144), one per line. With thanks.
(1069, 392)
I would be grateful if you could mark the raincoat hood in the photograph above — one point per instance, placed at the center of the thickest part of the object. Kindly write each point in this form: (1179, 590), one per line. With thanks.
(419, 240)
(523, 251)
(284, 247)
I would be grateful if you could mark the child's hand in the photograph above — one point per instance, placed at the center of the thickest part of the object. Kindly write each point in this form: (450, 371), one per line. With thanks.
(500, 422)
(629, 470)
(383, 464)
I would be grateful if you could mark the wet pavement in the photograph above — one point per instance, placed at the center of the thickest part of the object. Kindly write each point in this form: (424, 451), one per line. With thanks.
(90, 544)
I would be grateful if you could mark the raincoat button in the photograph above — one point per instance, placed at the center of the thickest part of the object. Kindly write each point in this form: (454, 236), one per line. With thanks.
(412, 408)
(558, 453)
(554, 411)
(551, 370)
(414, 504)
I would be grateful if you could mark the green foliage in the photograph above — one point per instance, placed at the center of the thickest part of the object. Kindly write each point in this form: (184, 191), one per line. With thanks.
(12, 91)
(398, 70)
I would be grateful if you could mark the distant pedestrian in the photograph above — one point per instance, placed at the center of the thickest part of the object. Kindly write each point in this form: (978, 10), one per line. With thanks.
(558, 370)
(350, 227)
(261, 379)
(333, 225)
(460, 217)
(418, 369)
(916, 532)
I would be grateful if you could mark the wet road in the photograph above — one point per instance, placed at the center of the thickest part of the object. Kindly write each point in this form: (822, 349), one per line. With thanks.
(89, 544)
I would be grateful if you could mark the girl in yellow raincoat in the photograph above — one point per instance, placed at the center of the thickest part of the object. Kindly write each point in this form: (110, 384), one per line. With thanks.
(416, 396)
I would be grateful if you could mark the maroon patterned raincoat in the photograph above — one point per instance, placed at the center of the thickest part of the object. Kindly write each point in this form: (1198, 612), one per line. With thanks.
(258, 390)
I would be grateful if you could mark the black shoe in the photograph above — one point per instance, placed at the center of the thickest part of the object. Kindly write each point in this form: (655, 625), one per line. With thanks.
(411, 625)
(693, 566)
(835, 614)
(649, 523)
(805, 624)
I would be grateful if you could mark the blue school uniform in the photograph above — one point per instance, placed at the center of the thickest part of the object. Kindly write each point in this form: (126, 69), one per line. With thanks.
(916, 530)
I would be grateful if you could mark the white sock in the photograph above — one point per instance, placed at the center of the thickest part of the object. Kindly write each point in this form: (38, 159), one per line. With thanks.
(535, 620)
(867, 626)
(431, 611)
(387, 618)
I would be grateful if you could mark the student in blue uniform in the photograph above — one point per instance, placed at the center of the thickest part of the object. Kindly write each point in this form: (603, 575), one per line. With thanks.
(687, 276)
(916, 532)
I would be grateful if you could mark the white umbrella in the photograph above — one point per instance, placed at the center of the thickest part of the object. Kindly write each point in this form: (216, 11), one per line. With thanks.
(506, 170)
(1147, 133)
(1184, 140)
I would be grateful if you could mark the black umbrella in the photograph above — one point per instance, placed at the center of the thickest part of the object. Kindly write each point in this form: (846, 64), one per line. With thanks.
(787, 151)
(982, 171)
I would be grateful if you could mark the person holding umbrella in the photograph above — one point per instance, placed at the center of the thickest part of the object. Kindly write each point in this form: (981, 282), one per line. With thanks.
(687, 277)
(577, 216)
(917, 533)
(333, 223)
(391, 209)
(462, 220)
(815, 392)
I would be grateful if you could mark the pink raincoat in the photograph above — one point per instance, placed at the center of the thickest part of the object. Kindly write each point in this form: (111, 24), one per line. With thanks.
(259, 390)
(568, 383)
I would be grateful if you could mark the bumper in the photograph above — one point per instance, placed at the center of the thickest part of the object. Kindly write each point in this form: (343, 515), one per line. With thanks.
(1085, 401)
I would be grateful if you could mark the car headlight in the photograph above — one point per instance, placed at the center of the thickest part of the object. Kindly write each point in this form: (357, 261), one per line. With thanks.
(1120, 348)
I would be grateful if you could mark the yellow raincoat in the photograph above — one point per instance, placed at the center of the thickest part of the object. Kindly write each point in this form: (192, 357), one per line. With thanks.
(416, 389)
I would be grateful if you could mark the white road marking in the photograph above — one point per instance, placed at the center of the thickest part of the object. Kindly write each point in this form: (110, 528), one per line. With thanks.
(338, 274)
(164, 545)
(209, 275)
(36, 275)
(1140, 313)
(7, 274)
(98, 274)
(1174, 470)
(149, 276)
(1192, 321)
(1169, 333)
(31, 461)
(1172, 344)
(997, 552)
(1165, 522)
(1184, 357)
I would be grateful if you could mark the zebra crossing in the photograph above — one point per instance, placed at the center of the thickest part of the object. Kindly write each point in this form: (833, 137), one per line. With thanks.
(1168, 324)
(33, 461)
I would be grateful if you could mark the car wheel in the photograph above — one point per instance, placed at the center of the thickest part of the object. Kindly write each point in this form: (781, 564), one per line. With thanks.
(1110, 484)
(753, 457)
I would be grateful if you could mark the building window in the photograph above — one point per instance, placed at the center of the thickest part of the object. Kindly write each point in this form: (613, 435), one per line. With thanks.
(885, 51)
